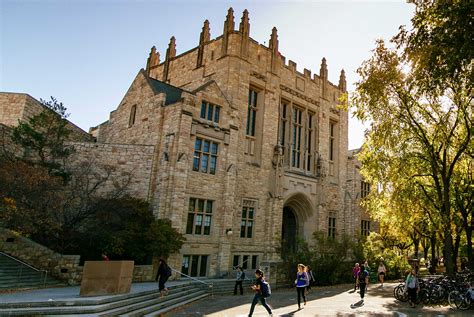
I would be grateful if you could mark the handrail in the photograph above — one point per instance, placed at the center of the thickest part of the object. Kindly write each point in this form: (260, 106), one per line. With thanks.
(27, 265)
(21, 262)
(210, 285)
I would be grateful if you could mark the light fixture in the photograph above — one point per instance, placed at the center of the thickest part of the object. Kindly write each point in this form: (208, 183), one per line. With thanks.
(228, 231)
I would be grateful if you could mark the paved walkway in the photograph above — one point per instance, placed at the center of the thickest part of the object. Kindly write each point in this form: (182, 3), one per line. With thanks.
(322, 301)
(71, 293)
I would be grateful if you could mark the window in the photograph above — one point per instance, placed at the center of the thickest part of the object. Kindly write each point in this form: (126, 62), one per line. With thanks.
(332, 141)
(205, 156)
(252, 112)
(194, 265)
(210, 112)
(364, 189)
(309, 142)
(199, 216)
(283, 124)
(248, 213)
(246, 261)
(332, 227)
(296, 137)
(365, 227)
(133, 113)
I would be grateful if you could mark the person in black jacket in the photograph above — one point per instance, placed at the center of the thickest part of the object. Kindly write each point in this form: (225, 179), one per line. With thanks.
(164, 272)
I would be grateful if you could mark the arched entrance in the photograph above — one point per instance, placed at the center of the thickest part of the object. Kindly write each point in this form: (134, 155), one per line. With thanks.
(289, 231)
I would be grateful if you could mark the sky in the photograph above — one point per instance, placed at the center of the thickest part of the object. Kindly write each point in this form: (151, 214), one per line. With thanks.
(86, 53)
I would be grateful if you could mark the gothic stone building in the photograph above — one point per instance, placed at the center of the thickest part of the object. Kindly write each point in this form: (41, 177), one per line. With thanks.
(249, 152)
(240, 150)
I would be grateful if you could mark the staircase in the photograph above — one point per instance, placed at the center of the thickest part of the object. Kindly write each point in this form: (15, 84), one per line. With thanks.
(144, 303)
(15, 274)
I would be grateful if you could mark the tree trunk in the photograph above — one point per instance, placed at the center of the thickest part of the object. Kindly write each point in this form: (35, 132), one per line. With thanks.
(456, 251)
(470, 256)
(434, 259)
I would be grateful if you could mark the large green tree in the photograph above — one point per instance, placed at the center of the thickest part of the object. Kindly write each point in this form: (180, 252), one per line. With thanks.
(418, 99)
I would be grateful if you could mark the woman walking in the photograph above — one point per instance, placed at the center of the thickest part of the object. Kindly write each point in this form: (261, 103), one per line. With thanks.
(412, 286)
(381, 271)
(363, 280)
(311, 280)
(301, 282)
(258, 297)
(164, 272)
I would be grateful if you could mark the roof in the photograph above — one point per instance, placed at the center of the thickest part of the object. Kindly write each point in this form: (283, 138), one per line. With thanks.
(173, 94)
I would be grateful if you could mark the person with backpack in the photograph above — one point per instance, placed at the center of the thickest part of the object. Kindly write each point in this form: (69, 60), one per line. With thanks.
(163, 274)
(412, 286)
(239, 280)
(363, 280)
(262, 291)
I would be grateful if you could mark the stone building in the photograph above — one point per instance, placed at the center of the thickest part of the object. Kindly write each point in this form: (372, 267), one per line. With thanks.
(238, 148)
(249, 152)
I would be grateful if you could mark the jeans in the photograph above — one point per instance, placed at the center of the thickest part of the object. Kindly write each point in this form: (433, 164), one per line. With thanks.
(239, 283)
(300, 292)
(362, 287)
(258, 297)
(412, 294)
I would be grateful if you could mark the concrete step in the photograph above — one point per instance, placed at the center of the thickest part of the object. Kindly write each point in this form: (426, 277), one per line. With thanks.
(157, 310)
(111, 306)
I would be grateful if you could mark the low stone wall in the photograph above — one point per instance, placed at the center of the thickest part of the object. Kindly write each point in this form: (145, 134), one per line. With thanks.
(62, 267)
(143, 273)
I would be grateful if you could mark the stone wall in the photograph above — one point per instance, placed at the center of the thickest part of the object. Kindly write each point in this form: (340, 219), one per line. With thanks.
(62, 267)
(15, 107)
(129, 166)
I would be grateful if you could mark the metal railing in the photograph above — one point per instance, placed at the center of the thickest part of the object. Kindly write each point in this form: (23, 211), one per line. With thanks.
(209, 285)
(23, 264)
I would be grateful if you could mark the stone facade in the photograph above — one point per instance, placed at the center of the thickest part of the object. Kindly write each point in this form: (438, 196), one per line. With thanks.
(284, 157)
(360, 223)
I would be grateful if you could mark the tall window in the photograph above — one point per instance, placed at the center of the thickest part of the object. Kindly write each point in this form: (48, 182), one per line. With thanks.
(252, 112)
(210, 112)
(332, 141)
(245, 261)
(309, 142)
(283, 124)
(248, 213)
(194, 265)
(365, 227)
(205, 156)
(364, 189)
(332, 227)
(199, 216)
(296, 139)
(133, 113)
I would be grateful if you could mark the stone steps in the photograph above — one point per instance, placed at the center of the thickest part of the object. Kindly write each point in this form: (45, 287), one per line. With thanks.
(134, 304)
(15, 275)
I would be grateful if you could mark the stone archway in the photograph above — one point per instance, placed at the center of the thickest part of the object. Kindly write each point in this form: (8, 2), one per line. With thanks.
(297, 210)
(289, 230)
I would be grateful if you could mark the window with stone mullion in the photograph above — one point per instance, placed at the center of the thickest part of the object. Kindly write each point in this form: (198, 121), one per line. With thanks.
(296, 132)
(332, 227)
(252, 112)
(205, 156)
(199, 217)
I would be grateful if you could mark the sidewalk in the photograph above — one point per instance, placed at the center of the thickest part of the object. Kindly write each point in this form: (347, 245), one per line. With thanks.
(71, 293)
(338, 300)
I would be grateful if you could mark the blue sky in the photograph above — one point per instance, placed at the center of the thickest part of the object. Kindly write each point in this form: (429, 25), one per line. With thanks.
(86, 53)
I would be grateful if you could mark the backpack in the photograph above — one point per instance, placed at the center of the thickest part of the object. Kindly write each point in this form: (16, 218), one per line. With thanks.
(362, 275)
(168, 271)
(266, 289)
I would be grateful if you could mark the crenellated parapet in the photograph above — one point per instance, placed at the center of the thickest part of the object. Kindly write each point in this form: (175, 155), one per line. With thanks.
(238, 43)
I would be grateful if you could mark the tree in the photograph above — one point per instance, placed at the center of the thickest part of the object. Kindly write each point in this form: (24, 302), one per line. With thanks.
(418, 98)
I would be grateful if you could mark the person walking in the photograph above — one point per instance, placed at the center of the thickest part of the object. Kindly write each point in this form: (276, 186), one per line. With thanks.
(355, 275)
(301, 282)
(258, 297)
(363, 280)
(412, 286)
(311, 279)
(381, 271)
(239, 280)
(164, 272)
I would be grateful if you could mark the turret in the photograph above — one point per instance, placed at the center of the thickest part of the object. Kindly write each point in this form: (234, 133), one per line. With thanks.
(170, 53)
(153, 60)
(229, 26)
(244, 30)
(342, 81)
(273, 45)
(203, 39)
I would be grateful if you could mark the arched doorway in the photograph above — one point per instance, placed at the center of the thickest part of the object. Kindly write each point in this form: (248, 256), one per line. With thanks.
(289, 231)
